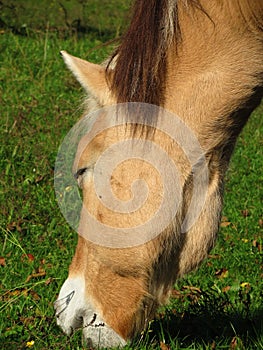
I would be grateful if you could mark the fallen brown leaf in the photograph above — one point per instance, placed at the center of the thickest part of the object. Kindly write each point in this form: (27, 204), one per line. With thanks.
(222, 273)
(213, 345)
(257, 245)
(40, 269)
(15, 226)
(176, 294)
(11, 293)
(2, 261)
(214, 256)
(48, 281)
(27, 320)
(28, 257)
(15, 293)
(193, 289)
(236, 343)
(34, 295)
(245, 213)
(39, 178)
(163, 346)
(233, 343)
(225, 223)
(35, 275)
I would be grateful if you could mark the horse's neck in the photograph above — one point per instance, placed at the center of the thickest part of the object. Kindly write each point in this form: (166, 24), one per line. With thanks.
(246, 13)
(216, 68)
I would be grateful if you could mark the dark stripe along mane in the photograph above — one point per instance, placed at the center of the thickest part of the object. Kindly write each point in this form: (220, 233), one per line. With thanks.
(141, 65)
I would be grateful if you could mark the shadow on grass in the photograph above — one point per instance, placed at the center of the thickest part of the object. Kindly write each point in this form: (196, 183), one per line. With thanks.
(211, 319)
(208, 328)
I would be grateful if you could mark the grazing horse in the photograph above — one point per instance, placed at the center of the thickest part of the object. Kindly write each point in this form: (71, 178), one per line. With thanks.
(202, 61)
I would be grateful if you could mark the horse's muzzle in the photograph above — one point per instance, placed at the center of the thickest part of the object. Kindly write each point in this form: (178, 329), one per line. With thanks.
(74, 311)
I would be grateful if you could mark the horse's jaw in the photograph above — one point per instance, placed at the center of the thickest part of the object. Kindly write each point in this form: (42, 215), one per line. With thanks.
(75, 311)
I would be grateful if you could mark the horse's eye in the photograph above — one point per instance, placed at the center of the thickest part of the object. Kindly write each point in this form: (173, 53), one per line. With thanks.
(80, 172)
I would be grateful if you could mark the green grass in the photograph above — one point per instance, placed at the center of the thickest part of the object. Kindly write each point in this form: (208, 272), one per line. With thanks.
(101, 18)
(217, 307)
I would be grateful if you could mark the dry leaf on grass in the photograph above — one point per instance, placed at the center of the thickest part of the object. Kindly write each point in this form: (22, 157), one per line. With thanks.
(29, 257)
(236, 343)
(222, 273)
(225, 223)
(214, 256)
(2, 261)
(18, 292)
(193, 289)
(163, 346)
(257, 245)
(49, 280)
(35, 275)
(245, 213)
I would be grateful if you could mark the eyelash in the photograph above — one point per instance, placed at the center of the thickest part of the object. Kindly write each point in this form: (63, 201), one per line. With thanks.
(80, 172)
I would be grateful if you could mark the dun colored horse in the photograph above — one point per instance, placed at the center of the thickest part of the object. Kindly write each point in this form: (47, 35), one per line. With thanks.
(202, 61)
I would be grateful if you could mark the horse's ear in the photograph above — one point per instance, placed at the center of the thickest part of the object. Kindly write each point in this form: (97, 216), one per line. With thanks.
(91, 76)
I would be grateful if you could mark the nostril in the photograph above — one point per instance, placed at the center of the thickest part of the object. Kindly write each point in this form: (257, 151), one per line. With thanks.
(62, 304)
(93, 323)
(93, 319)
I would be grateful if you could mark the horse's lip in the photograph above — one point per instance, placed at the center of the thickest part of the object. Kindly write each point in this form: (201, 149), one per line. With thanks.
(100, 334)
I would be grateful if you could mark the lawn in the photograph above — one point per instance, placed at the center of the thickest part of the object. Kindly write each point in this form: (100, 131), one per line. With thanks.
(217, 307)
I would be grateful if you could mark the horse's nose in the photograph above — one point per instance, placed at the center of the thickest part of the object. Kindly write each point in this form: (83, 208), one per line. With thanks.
(98, 334)
(74, 311)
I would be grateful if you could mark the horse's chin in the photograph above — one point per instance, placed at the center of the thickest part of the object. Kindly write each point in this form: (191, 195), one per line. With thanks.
(101, 335)
(74, 311)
